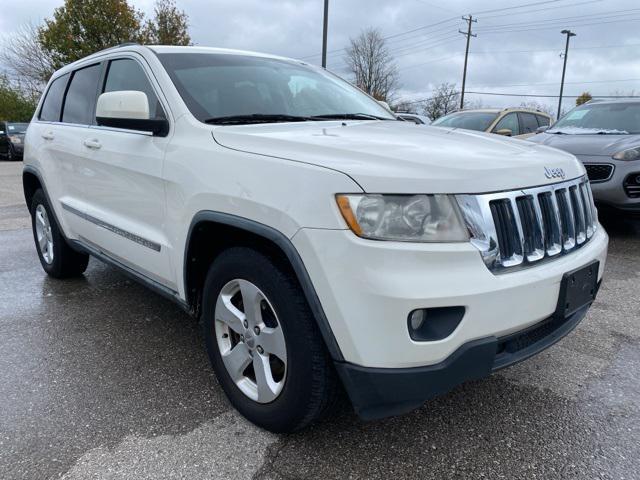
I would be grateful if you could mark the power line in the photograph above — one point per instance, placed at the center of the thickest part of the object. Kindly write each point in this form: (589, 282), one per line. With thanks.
(541, 9)
(517, 6)
(553, 27)
(600, 15)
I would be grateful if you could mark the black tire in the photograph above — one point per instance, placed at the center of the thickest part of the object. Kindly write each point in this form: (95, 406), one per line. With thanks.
(66, 261)
(311, 386)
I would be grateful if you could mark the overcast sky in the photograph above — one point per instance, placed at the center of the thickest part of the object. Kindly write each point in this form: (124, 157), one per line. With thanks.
(516, 50)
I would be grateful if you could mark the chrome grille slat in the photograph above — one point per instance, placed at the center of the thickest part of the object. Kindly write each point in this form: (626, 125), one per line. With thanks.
(521, 228)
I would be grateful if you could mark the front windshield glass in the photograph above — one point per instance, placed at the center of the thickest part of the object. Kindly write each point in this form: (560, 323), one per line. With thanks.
(469, 120)
(14, 128)
(616, 118)
(215, 86)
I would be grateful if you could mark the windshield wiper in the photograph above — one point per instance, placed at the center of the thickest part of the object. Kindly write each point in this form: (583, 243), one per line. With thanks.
(256, 118)
(348, 116)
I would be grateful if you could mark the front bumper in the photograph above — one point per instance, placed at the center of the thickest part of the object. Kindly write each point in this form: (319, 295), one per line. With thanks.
(379, 392)
(368, 288)
(18, 149)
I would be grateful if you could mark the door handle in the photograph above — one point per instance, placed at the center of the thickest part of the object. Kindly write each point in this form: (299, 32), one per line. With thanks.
(48, 136)
(93, 144)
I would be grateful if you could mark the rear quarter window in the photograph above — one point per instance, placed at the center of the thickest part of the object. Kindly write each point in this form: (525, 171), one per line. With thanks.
(52, 105)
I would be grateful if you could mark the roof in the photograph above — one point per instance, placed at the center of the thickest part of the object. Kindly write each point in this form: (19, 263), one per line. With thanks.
(509, 109)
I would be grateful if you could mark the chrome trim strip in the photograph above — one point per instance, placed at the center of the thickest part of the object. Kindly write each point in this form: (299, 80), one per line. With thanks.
(581, 224)
(112, 228)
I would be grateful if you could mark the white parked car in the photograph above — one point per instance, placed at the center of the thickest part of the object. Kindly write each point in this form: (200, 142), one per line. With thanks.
(321, 241)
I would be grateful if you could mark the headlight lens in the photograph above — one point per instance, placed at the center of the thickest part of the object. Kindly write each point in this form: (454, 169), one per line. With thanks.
(628, 155)
(15, 139)
(404, 218)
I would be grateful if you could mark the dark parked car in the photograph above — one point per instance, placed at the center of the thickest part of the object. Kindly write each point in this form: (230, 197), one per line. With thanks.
(605, 136)
(12, 140)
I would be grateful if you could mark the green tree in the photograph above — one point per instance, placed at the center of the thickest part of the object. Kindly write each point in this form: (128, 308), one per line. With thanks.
(169, 26)
(81, 27)
(15, 105)
(583, 98)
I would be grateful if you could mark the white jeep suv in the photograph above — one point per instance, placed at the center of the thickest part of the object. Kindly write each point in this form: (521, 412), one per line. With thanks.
(322, 243)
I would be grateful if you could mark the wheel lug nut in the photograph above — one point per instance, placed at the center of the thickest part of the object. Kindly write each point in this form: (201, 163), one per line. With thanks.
(256, 330)
(245, 323)
(260, 349)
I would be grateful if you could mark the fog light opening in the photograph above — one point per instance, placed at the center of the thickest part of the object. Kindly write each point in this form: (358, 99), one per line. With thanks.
(416, 319)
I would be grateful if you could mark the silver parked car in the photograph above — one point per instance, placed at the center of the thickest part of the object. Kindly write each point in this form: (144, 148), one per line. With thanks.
(605, 136)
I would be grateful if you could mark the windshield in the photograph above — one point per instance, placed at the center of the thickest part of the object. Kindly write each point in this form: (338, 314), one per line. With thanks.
(600, 118)
(221, 86)
(470, 120)
(13, 128)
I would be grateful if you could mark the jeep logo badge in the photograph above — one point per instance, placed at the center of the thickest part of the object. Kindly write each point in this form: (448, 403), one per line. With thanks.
(554, 173)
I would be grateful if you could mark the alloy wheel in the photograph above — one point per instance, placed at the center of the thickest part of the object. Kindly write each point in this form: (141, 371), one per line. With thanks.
(43, 233)
(250, 340)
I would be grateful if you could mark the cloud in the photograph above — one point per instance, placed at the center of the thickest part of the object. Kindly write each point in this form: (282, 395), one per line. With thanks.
(526, 53)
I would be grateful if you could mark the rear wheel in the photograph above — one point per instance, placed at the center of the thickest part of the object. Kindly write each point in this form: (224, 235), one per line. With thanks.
(58, 259)
(263, 342)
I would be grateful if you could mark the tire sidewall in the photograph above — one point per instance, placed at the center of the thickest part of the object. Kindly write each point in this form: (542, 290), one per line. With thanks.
(288, 407)
(54, 267)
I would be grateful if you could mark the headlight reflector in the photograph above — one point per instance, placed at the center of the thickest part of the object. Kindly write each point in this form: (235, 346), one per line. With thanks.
(628, 155)
(404, 218)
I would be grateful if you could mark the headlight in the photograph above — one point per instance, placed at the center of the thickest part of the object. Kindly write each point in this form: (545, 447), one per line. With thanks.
(629, 154)
(15, 139)
(404, 218)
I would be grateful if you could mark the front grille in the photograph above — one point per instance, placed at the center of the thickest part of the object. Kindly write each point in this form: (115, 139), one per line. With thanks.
(599, 172)
(632, 185)
(523, 227)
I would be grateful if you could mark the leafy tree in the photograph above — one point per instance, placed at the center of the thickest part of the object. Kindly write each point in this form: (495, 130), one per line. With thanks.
(15, 105)
(583, 98)
(169, 26)
(81, 27)
(372, 65)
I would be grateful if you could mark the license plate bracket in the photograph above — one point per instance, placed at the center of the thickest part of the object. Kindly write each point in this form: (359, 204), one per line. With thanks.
(577, 289)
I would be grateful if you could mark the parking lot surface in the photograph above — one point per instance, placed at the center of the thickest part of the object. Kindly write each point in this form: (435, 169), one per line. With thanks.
(102, 379)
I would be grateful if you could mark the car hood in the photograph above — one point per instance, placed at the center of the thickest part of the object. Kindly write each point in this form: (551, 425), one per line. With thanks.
(398, 157)
(593, 145)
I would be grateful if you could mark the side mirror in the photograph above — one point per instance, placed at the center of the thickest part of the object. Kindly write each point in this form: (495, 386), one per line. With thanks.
(505, 131)
(384, 104)
(128, 109)
(543, 128)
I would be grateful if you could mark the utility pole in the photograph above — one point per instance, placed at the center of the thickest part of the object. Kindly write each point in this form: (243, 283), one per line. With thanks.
(324, 33)
(569, 34)
(467, 34)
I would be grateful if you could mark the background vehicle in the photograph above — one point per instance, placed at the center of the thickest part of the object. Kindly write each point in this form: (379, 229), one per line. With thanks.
(317, 238)
(414, 117)
(12, 140)
(510, 122)
(605, 136)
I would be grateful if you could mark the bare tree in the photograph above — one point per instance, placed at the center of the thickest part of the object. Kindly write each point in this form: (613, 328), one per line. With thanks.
(26, 60)
(444, 100)
(373, 68)
(543, 107)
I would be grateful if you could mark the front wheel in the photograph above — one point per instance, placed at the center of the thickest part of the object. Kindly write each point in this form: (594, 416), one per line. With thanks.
(263, 342)
(58, 259)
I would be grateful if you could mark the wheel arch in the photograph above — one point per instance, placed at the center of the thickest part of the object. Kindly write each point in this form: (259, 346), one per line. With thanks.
(211, 232)
(31, 182)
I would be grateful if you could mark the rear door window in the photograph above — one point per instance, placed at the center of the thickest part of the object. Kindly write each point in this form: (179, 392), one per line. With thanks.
(127, 74)
(528, 123)
(80, 100)
(52, 105)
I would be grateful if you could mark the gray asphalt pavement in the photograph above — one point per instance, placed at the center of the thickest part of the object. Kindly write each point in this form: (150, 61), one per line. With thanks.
(102, 379)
